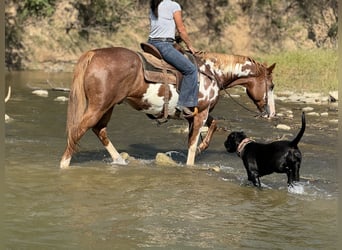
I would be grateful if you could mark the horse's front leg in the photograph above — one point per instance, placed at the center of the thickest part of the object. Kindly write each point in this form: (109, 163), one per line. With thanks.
(195, 125)
(212, 127)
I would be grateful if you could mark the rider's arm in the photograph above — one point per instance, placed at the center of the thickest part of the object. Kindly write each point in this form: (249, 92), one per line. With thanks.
(182, 30)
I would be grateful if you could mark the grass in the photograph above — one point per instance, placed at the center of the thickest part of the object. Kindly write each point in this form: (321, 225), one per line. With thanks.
(304, 70)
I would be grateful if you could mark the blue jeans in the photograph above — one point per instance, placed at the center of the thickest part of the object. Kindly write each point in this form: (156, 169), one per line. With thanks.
(188, 96)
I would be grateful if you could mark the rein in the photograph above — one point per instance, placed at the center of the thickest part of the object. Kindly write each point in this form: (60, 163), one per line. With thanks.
(241, 105)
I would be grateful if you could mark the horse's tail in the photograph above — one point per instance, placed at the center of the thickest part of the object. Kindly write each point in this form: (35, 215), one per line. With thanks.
(77, 100)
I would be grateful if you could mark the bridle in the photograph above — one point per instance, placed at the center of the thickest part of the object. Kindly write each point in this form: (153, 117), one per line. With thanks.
(213, 77)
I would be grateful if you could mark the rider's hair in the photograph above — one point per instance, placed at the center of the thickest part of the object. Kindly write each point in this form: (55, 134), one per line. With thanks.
(154, 6)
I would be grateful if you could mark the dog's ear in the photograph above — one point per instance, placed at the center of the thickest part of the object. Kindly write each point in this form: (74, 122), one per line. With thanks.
(239, 136)
(230, 143)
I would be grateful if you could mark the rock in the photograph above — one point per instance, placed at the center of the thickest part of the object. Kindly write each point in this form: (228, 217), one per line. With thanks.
(61, 99)
(283, 127)
(312, 114)
(285, 92)
(206, 168)
(333, 96)
(125, 155)
(8, 118)
(334, 121)
(307, 109)
(41, 92)
(325, 114)
(281, 98)
(164, 160)
(215, 169)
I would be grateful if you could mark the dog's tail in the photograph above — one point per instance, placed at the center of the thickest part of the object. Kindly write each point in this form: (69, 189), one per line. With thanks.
(296, 140)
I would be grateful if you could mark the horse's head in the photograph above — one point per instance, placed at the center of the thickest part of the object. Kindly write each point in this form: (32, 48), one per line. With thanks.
(233, 70)
(260, 90)
(259, 87)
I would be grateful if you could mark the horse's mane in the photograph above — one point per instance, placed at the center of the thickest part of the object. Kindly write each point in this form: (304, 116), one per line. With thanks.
(222, 60)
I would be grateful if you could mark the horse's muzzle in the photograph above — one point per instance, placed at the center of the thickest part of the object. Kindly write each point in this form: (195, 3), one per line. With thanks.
(266, 112)
(270, 106)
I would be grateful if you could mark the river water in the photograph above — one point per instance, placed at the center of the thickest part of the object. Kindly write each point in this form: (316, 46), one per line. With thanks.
(97, 205)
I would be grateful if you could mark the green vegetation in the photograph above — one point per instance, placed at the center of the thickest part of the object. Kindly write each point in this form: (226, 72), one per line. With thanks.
(305, 70)
(38, 8)
(41, 33)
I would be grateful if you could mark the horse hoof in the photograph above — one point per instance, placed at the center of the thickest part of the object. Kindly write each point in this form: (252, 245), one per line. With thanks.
(64, 164)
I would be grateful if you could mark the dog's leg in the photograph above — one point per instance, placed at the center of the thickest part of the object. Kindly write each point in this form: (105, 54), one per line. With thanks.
(251, 177)
(252, 172)
(259, 184)
(289, 178)
(293, 161)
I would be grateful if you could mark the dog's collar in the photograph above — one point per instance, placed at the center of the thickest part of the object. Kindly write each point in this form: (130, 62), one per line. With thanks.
(242, 145)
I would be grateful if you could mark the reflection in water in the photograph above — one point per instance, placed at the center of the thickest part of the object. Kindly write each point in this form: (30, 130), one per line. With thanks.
(142, 205)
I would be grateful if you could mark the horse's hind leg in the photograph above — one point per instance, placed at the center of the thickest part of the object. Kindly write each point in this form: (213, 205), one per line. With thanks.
(100, 129)
(90, 119)
(73, 139)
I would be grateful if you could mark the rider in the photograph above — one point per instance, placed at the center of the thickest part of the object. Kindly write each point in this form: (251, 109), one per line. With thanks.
(165, 17)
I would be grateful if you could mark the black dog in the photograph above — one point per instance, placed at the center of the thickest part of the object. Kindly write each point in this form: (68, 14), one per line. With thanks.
(263, 159)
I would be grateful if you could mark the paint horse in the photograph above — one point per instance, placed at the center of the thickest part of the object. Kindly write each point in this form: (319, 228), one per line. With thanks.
(106, 77)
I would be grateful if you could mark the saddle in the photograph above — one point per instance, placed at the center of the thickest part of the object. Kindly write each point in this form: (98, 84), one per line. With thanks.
(156, 70)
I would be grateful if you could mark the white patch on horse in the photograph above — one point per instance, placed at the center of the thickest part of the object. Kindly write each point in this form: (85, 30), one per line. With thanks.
(237, 69)
(210, 92)
(234, 69)
(157, 102)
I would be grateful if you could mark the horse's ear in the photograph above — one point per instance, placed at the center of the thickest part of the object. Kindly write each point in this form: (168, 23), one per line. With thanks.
(270, 68)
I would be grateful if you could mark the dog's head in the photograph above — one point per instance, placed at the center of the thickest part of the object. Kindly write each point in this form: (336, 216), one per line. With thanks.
(233, 140)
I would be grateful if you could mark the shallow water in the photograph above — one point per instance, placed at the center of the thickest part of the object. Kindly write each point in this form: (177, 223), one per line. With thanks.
(96, 205)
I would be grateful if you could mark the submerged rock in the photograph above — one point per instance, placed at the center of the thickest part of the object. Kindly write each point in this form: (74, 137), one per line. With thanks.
(8, 118)
(333, 121)
(283, 127)
(333, 96)
(312, 114)
(41, 92)
(308, 109)
(61, 99)
(165, 160)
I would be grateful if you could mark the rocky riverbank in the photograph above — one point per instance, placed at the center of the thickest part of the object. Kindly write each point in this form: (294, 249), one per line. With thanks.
(54, 40)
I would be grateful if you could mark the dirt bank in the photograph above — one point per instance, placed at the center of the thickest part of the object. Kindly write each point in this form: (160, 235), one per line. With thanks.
(54, 42)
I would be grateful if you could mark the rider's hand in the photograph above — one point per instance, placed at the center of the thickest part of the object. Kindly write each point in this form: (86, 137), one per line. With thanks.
(192, 50)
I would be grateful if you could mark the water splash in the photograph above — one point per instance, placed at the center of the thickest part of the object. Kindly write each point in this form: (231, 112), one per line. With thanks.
(296, 188)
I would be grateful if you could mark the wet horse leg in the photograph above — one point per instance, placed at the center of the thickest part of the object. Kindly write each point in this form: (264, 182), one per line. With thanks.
(89, 119)
(66, 158)
(195, 125)
(97, 121)
(101, 132)
(212, 127)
